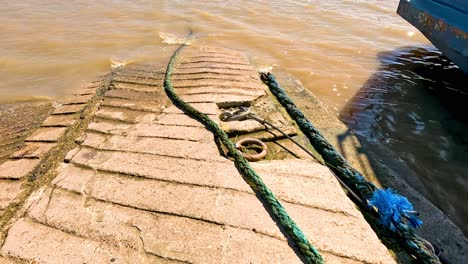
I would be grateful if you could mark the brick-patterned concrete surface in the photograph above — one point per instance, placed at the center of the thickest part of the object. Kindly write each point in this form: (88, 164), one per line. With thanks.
(37, 146)
(148, 184)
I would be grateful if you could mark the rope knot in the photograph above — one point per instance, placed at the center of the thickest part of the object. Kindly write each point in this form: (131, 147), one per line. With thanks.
(394, 209)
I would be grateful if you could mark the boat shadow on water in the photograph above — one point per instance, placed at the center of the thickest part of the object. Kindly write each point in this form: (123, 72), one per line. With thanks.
(411, 114)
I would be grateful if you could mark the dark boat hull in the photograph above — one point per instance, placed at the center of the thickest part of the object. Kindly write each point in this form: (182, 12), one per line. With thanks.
(444, 23)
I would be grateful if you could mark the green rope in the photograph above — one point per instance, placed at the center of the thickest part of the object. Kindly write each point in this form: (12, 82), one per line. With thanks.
(311, 255)
(350, 176)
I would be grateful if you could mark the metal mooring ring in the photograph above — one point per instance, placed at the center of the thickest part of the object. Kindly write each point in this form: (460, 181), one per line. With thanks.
(252, 141)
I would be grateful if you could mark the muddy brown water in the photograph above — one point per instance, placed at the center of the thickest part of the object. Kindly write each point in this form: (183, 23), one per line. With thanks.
(370, 67)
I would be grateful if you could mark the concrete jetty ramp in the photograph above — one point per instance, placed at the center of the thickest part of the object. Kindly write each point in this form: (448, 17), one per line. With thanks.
(117, 174)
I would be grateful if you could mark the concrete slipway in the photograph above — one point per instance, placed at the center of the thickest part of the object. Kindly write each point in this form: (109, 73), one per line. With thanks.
(117, 174)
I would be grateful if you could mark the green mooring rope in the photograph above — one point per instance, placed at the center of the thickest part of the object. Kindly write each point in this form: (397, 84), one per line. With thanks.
(310, 254)
(351, 177)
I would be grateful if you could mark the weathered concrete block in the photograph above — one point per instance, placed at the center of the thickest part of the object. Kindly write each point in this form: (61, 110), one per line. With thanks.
(206, 108)
(317, 188)
(78, 99)
(170, 236)
(240, 210)
(244, 126)
(178, 120)
(219, 71)
(147, 73)
(218, 90)
(274, 135)
(138, 105)
(153, 130)
(138, 80)
(215, 76)
(39, 243)
(109, 127)
(72, 177)
(226, 85)
(66, 211)
(157, 146)
(192, 201)
(216, 174)
(312, 190)
(294, 167)
(68, 109)
(222, 100)
(8, 191)
(134, 87)
(125, 115)
(60, 120)
(134, 95)
(47, 134)
(70, 154)
(17, 169)
(216, 58)
(33, 150)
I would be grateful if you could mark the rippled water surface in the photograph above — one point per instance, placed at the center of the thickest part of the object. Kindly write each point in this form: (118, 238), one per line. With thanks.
(357, 56)
(413, 112)
(49, 46)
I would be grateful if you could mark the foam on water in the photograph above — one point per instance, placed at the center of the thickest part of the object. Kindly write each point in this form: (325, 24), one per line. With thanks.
(173, 39)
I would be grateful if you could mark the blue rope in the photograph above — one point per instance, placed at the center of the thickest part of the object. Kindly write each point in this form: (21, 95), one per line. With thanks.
(393, 209)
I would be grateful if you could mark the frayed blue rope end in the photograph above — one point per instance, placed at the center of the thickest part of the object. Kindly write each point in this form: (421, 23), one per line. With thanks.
(393, 208)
